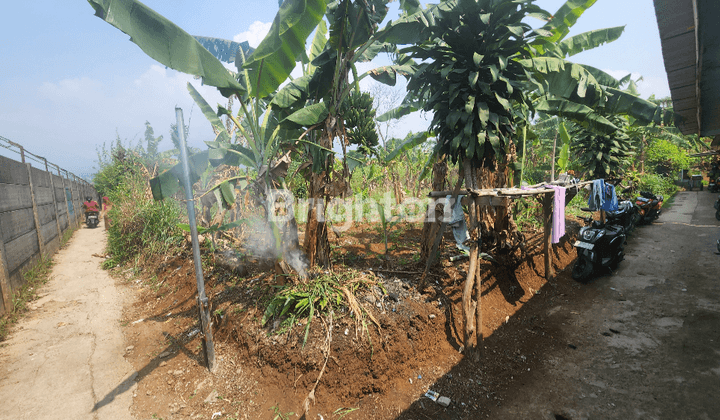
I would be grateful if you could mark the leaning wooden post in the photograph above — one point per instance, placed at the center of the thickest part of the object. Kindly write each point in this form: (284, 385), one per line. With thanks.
(203, 304)
(41, 240)
(478, 290)
(467, 308)
(547, 230)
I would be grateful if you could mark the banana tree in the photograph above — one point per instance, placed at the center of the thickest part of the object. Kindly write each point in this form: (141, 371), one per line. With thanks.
(257, 78)
(328, 104)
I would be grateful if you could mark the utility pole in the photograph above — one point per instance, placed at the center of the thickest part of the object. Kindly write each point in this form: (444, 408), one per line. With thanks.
(203, 304)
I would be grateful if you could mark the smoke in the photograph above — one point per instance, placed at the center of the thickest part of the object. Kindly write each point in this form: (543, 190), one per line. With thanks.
(277, 241)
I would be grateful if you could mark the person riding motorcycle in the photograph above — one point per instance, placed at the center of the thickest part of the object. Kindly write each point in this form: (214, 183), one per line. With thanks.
(90, 206)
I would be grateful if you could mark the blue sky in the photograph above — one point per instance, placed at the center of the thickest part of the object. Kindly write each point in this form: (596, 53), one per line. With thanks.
(70, 82)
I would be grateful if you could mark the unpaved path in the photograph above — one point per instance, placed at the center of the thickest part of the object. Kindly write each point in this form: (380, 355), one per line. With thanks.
(645, 344)
(65, 359)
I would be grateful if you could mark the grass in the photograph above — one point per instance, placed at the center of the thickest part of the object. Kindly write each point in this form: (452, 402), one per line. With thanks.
(33, 279)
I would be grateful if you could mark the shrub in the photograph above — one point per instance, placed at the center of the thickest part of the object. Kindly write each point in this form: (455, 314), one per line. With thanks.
(141, 227)
(667, 157)
(657, 184)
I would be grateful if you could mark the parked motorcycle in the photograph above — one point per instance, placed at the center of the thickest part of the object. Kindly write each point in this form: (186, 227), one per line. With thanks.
(92, 218)
(626, 215)
(713, 184)
(599, 245)
(649, 207)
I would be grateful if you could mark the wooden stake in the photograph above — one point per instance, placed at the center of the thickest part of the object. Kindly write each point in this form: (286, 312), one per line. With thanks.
(547, 229)
(478, 310)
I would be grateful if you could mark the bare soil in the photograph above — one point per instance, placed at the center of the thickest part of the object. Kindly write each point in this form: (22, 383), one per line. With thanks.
(639, 343)
(262, 374)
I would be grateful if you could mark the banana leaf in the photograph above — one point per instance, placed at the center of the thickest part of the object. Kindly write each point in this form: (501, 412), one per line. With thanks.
(565, 79)
(310, 115)
(579, 113)
(410, 142)
(645, 112)
(275, 57)
(565, 18)
(224, 49)
(589, 40)
(317, 46)
(210, 114)
(166, 42)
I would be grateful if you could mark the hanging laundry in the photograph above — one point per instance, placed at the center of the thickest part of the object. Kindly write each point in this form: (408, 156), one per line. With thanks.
(602, 196)
(597, 195)
(611, 202)
(558, 222)
(457, 223)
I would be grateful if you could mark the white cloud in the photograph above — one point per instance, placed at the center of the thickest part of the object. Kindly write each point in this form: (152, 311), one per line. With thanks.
(255, 34)
(83, 113)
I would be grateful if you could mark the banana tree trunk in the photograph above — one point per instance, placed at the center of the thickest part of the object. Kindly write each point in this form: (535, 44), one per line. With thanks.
(317, 244)
(430, 228)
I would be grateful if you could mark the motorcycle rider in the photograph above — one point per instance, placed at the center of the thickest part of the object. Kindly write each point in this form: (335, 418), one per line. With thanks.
(89, 206)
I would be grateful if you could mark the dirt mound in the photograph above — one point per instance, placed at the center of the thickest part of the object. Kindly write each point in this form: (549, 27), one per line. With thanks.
(370, 372)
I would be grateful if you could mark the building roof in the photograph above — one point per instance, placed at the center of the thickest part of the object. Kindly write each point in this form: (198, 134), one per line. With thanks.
(690, 37)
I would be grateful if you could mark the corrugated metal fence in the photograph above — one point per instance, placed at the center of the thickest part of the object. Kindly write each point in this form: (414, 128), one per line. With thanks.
(36, 206)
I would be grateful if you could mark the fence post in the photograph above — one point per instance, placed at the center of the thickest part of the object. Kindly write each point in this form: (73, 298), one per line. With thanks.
(76, 208)
(67, 206)
(22, 154)
(41, 240)
(5, 278)
(52, 186)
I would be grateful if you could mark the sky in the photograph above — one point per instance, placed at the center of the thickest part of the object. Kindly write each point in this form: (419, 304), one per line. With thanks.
(70, 82)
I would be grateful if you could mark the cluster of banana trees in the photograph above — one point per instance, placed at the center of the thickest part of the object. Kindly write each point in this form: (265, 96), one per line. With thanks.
(476, 64)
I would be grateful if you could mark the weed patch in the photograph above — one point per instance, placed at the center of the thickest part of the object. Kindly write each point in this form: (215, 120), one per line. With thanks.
(324, 294)
(33, 279)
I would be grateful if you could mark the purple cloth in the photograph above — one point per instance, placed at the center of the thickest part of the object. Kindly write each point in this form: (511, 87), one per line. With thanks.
(558, 222)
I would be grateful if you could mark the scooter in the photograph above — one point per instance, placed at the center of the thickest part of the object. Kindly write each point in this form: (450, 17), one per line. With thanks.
(600, 245)
(713, 185)
(649, 206)
(625, 216)
(92, 218)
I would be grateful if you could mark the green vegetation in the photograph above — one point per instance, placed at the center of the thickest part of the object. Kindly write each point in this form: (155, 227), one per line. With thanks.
(33, 279)
(324, 294)
(140, 227)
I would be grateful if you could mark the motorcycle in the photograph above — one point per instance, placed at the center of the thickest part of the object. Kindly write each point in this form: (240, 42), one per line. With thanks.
(713, 184)
(649, 207)
(600, 245)
(625, 216)
(92, 218)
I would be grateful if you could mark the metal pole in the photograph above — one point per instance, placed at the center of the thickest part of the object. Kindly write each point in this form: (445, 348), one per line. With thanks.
(203, 305)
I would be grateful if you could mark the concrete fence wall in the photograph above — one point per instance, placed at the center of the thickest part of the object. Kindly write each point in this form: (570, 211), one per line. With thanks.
(36, 207)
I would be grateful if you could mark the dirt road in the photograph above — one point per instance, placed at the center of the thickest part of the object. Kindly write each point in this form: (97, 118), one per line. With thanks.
(645, 344)
(65, 359)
